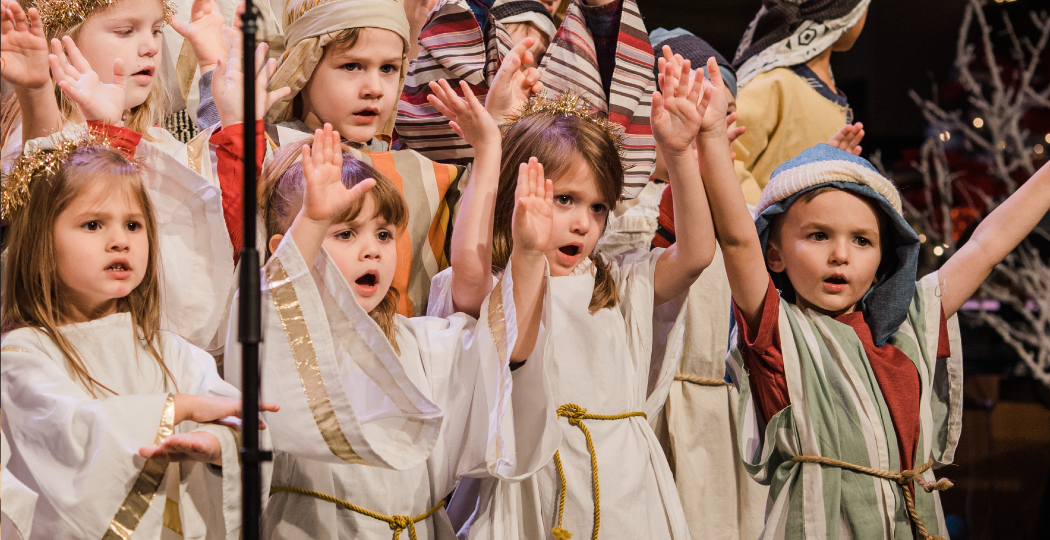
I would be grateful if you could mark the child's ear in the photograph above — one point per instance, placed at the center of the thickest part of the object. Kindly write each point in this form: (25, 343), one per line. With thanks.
(275, 241)
(773, 259)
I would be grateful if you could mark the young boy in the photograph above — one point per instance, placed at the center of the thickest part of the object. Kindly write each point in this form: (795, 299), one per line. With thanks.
(788, 99)
(601, 52)
(851, 377)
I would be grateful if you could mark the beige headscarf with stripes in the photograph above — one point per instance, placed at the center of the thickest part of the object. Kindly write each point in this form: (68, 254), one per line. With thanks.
(310, 25)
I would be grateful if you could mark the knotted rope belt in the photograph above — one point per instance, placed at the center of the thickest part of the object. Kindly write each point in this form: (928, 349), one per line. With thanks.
(397, 523)
(699, 381)
(576, 415)
(903, 478)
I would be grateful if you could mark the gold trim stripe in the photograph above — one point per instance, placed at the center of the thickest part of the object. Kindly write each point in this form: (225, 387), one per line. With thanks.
(290, 312)
(13, 349)
(137, 502)
(498, 320)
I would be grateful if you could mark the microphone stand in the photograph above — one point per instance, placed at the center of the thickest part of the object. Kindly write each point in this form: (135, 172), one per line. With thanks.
(250, 328)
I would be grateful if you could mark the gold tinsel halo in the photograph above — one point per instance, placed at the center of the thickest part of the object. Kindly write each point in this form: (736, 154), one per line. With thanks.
(45, 163)
(569, 104)
(69, 13)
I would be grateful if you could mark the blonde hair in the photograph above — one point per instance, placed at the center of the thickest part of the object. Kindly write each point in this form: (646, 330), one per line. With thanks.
(32, 287)
(140, 118)
(281, 196)
(559, 142)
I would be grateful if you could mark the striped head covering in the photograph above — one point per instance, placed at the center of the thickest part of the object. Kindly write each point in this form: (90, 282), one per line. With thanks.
(310, 25)
(886, 304)
(790, 32)
(457, 47)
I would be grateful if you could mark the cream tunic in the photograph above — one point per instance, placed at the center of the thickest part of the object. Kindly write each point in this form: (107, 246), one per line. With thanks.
(601, 362)
(441, 411)
(80, 453)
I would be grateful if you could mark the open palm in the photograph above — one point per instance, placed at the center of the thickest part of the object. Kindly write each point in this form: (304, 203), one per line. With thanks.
(98, 101)
(534, 210)
(678, 110)
(466, 115)
(512, 85)
(23, 47)
(204, 32)
(326, 196)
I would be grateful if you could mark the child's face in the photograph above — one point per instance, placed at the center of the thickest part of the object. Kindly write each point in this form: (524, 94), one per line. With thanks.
(102, 250)
(830, 248)
(365, 251)
(579, 218)
(355, 89)
(130, 30)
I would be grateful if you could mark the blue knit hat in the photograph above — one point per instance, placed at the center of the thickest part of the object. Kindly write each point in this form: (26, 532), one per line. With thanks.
(886, 304)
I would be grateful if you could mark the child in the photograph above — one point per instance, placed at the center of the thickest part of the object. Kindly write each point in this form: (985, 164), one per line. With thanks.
(337, 352)
(851, 377)
(609, 318)
(196, 268)
(788, 99)
(91, 384)
(601, 52)
(347, 71)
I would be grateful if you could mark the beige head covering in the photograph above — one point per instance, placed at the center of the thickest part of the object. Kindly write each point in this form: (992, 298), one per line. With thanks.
(310, 25)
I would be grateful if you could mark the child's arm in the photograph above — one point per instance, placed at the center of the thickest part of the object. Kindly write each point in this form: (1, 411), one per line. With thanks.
(205, 33)
(678, 111)
(23, 64)
(531, 231)
(471, 248)
(326, 196)
(994, 239)
(228, 84)
(734, 227)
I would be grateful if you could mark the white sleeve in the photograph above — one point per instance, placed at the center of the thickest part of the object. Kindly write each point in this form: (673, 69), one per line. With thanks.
(16, 515)
(507, 425)
(343, 393)
(79, 453)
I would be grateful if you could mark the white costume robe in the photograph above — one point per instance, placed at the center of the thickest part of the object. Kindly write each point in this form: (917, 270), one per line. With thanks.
(441, 411)
(19, 502)
(80, 453)
(600, 362)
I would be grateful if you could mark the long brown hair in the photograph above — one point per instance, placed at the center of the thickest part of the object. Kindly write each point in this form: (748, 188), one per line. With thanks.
(139, 119)
(281, 196)
(559, 142)
(32, 288)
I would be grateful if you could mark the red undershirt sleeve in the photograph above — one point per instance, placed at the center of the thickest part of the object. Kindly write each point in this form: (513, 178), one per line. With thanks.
(944, 347)
(230, 166)
(121, 138)
(762, 356)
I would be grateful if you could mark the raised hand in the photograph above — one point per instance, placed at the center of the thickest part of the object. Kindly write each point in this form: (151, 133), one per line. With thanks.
(848, 138)
(733, 132)
(98, 101)
(679, 106)
(466, 115)
(326, 197)
(534, 209)
(205, 33)
(512, 85)
(23, 47)
(228, 84)
(196, 446)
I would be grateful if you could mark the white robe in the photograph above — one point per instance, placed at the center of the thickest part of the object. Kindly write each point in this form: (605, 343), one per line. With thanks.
(443, 410)
(80, 453)
(601, 362)
(19, 502)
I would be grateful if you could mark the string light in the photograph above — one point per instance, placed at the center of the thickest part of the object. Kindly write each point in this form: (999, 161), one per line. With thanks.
(922, 238)
(1038, 149)
(978, 122)
(945, 136)
(938, 251)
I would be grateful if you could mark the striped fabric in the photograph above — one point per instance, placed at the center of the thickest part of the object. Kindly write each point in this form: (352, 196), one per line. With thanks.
(455, 47)
(838, 411)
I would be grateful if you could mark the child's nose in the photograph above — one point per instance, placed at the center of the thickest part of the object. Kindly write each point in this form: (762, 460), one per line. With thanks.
(840, 252)
(580, 224)
(118, 241)
(150, 45)
(372, 87)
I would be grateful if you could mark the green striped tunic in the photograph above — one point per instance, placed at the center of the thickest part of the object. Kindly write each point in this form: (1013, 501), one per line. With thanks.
(838, 411)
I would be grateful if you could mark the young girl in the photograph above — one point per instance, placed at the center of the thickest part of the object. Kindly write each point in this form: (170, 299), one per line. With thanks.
(196, 266)
(100, 405)
(601, 52)
(608, 320)
(362, 385)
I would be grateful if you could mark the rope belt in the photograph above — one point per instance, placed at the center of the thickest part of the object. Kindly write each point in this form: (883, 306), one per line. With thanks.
(699, 381)
(397, 523)
(576, 415)
(903, 478)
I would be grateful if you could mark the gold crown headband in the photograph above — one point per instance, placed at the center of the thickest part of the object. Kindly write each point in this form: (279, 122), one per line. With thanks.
(69, 13)
(46, 162)
(569, 104)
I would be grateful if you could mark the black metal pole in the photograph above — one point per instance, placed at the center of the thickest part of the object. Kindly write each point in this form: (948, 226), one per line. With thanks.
(250, 331)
